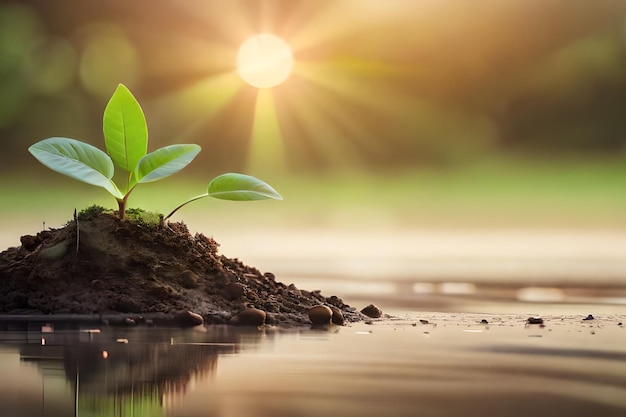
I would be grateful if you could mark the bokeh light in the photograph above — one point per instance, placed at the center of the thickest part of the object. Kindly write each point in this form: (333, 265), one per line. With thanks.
(108, 58)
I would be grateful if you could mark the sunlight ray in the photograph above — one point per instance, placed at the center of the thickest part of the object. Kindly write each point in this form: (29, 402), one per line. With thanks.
(360, 81)
(353, 94)
(354, 129)
(311, 130)
(235, 28)
(201, 101)
(329, 23)
(266, 152)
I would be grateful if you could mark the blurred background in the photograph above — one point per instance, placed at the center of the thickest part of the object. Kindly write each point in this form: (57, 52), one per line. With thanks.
(432, 154)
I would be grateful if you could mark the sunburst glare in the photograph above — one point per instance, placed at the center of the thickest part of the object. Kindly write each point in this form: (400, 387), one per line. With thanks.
(312, 90)
(264, 60)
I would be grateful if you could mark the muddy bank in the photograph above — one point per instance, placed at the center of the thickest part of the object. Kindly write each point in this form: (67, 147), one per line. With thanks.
(98, 264)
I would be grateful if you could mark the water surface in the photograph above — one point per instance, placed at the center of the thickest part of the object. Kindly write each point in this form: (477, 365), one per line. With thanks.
(431, 364)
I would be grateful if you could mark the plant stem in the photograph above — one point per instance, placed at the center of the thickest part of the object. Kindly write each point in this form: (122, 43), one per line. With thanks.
(185, 203)
(121, 204)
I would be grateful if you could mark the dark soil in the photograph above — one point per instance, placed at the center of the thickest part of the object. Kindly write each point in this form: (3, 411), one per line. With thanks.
(134, 268)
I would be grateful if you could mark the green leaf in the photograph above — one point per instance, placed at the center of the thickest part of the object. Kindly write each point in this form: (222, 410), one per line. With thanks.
(164, 162)
(240, 187)
(77, 160)
(125, 130)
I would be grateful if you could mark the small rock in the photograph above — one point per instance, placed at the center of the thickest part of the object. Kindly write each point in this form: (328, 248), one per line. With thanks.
(333, 300)
(29, 242)
(589, 317)
(484, 321)
(269, 276)
(337, 318)
(129, 322)
(320, 315)
(372, 311)
(188, 319)
(234, 291)
(249, 317)
(293, 290)
(423, 321)
(534, 320)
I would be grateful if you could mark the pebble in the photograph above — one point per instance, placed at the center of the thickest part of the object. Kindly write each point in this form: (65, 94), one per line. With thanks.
(30, 243)
(249, 317)
(534, 320)
(589, 317)
(337, 316)
(423, 321)
(188, 319)
(372, 311)
(320, 315)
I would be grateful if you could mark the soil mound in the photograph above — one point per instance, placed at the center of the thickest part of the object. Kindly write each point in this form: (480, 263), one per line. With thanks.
(98, 264)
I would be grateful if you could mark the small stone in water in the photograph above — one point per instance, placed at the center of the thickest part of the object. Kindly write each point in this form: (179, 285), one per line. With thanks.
(249, 317)
(372, 311)
(320, 315)
(337, 316)
(534, 320)
(423, 321)
(589, 317)
(188, 319)
(484, 321)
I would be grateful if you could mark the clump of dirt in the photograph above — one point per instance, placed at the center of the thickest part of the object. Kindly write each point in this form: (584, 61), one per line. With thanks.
(99, 264)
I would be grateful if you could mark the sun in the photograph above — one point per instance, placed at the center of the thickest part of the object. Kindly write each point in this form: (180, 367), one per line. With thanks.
(264, 60)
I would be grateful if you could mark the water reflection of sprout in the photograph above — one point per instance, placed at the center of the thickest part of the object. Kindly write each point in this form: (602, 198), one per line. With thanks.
(110, 378)
(132, 368)
(104, 378)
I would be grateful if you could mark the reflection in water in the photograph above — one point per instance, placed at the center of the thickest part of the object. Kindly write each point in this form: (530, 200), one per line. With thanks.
(119, 372)
(433, 364)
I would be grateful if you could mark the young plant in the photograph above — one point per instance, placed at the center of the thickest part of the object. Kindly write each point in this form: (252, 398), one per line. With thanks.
(126, 140)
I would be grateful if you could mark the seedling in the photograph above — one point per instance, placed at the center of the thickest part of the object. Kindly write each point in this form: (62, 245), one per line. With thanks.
(126, 141)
